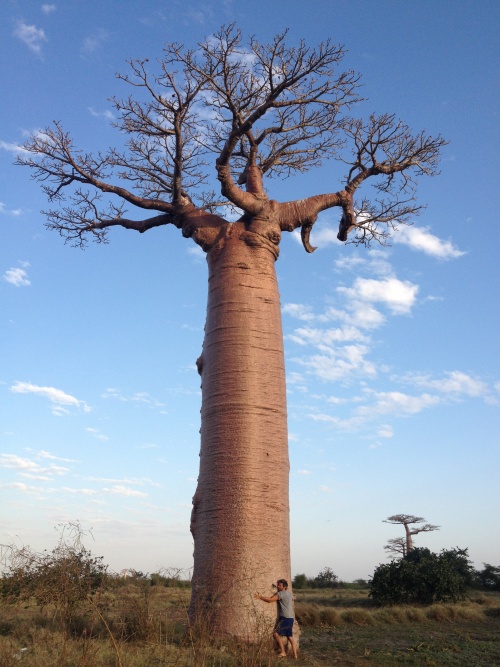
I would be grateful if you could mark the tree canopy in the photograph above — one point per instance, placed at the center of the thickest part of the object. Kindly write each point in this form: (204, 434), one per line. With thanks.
(249, 110)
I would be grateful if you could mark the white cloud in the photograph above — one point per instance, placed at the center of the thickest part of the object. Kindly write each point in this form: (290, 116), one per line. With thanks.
(46, 455)
(24, 488)
(299, 311)
(124, 491)
(95, 433)
(138, 397)
(324, 339)
(13, 211)
(11, 147)
(324, 236)
(31, 468)
(16, 462)
(32, 36)
(57, 397)
(341, 363)
(108, 115)
(48, 9)
(396, 402)
(17, 277)
(420, 238)
(196, 253)
(83, 492)
(94, 42)
(398, 295)
(349, 263)
(134, 481)
(454, 382)
(385, 431)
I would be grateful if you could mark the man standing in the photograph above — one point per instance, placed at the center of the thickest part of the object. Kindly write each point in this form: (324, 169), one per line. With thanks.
(284, 624)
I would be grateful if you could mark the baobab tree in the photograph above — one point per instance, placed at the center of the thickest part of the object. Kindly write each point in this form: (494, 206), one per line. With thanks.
(396, 546)
(240, 113)
(405, 545)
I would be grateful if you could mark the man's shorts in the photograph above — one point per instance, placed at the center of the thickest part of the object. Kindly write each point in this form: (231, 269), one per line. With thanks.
(284, 627)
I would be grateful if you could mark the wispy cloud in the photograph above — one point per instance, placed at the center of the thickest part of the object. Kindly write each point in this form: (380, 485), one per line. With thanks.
(108, 115)
(420, 238)
(17, 277)
(323, 339)
(341, 363)
(119, 490)
(345, 349)
(59, 399)
(30, 35)
(13, 211)
(32, 468)
(93, 43)
(300, 312)
(46, 455)
(371, 405)
(48, 9)
(396, 402)
(454, 383)
(138, 397)
(95, 433)
(82, 492)
(131, 481)
(196, 253)
(11, 147)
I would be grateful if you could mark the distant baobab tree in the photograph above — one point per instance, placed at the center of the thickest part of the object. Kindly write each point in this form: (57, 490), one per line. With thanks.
(396, 546)
(238, 114)
(404, 545)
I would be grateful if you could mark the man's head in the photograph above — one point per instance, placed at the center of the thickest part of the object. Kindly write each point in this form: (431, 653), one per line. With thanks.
(282, 584)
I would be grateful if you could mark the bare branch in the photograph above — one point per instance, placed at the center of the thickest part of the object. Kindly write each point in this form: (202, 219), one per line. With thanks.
(408, 520)
(263, 111)
(396, 546)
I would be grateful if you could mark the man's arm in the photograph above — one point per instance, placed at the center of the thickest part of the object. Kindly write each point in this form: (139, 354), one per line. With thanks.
(274, 598)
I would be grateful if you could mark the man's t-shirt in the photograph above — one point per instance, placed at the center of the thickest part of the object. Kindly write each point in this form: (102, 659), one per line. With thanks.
(285, 604)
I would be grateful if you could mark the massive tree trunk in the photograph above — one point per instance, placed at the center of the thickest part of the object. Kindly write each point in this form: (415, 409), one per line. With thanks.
(240, 518)
(409, 540)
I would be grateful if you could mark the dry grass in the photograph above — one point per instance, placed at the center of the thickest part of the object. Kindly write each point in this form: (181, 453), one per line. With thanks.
(146, 626)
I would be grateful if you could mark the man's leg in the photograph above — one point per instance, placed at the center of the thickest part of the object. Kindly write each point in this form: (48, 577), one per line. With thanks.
(277, 636)
(294, 646)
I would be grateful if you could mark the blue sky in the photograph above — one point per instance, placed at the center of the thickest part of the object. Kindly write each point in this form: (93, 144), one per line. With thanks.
(392, 353)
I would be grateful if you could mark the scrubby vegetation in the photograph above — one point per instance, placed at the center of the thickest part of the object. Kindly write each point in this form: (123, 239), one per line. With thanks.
(64, 608)
(423, 577)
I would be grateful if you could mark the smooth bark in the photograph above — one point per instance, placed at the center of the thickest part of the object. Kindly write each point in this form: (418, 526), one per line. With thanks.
(240, 518)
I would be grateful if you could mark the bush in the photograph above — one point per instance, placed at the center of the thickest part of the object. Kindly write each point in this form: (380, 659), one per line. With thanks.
(489, 577)
(423, 577)
(300, 581)
(62, 578)
(325, 579)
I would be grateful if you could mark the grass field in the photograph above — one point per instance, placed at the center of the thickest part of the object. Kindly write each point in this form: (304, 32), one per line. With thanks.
(139, 625)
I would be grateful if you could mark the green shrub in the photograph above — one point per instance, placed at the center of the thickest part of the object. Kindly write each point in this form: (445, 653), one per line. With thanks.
(423, 577)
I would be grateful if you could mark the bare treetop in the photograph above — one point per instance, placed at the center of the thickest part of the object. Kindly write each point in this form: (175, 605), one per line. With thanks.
(406, 519)
(409, 521)
(251, 111)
